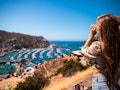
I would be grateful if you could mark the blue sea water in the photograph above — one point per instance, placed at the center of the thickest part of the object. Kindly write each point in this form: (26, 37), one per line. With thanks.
(38, 55)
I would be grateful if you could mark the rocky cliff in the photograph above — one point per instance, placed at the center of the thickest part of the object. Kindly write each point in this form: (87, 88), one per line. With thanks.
(13, 40)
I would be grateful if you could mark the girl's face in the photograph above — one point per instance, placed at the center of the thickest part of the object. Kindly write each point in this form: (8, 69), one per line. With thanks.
(98, 27)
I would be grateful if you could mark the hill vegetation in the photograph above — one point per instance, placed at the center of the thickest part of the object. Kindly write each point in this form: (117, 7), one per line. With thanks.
(70, 67)
(36, 82)
(9, 41)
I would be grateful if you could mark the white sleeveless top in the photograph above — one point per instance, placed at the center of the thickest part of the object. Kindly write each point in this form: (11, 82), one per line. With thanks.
(94, 52)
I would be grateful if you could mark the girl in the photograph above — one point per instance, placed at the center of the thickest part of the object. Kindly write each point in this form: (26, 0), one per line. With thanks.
(105, 53)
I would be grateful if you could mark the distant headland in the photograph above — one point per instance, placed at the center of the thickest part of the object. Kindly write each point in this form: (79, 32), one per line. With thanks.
(12, 40)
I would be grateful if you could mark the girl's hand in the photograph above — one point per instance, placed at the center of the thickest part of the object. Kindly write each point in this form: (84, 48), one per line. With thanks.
(92, 30)
(91, 35)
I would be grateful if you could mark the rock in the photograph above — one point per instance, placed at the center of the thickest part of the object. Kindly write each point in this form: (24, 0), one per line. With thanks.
(77, 87)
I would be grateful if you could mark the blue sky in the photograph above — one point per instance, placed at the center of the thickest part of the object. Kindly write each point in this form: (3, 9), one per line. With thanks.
(54, 19)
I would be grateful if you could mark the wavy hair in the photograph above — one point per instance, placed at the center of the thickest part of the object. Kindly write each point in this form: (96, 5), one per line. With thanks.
(109, 36)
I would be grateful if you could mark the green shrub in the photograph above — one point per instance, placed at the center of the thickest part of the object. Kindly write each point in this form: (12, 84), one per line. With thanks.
(89, 62)
(36, 82)
(8, 87)
(59, 70)
(70, 67)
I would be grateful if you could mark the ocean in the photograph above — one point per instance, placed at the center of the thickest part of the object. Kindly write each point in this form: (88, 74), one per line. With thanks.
(39, 55)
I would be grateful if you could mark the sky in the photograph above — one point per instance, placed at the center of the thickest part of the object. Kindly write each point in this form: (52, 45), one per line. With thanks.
(65, 20)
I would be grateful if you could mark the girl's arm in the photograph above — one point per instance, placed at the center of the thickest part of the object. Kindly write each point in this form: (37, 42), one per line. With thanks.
(91, 35)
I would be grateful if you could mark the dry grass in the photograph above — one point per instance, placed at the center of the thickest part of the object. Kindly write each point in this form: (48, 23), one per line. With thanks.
(62, 83)
(10, 81)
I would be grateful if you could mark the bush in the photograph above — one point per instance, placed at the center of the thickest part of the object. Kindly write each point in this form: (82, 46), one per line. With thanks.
(36, 82)
(70, 67)
(8, 87)
(89, 63)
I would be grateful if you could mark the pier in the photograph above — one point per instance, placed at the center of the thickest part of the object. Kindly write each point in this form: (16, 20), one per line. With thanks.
(10, 61)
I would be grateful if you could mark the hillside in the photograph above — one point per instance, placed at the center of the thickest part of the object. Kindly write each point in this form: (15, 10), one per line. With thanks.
(9, 41)
(57, 82)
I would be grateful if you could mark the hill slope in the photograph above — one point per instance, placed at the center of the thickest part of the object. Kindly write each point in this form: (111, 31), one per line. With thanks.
(17, 41)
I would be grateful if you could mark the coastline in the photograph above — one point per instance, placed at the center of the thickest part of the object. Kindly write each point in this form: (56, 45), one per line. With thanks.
(29, 57)
(48, 67)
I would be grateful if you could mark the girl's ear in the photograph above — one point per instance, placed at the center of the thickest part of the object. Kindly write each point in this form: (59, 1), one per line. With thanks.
(119, 27)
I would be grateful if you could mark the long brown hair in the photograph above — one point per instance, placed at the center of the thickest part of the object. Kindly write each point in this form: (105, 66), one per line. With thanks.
(110, 45)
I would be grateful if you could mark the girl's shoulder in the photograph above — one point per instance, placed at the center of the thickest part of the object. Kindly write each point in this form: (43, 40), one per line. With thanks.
(96, 43)
(95, 48)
